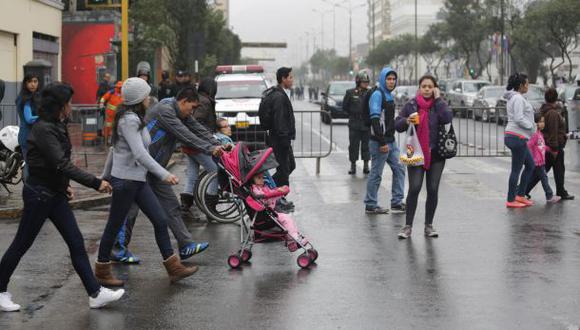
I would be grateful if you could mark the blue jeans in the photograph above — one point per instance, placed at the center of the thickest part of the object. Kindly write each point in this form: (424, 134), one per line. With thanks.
(125, 193)
(193, 163)
(540, 174)
(41, 203)
(521, 156)
(378, 160)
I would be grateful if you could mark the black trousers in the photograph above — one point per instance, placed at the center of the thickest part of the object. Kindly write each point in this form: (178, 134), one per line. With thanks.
(559, 172)
(286, 163)
(358, 140)
(41, 203)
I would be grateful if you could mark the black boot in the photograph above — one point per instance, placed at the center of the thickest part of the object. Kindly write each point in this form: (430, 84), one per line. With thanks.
(186, 202)
(352, 168)
(366, 167)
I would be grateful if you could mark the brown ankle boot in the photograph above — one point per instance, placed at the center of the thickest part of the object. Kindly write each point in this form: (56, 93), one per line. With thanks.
(177, 270)
(105, 276)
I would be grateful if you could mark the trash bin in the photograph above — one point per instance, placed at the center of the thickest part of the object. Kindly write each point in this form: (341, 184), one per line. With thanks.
(40, 68)
(90, 126)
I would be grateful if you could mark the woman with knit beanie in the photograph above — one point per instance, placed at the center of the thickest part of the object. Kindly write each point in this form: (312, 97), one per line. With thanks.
(127, 167)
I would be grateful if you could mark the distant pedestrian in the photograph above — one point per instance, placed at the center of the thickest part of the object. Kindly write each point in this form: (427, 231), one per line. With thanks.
(104, 86)
(519, 130)
(165, 86)
(108, 105)
(383, 147)
(358, 131)
(144, 72)
(428, 111)
(127, 166)
(539, 149)
(554, 132)
(182, 80)
(27, 106)
(46, 194)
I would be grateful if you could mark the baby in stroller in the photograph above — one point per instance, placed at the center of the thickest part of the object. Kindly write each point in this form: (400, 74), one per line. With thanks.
(269, 197)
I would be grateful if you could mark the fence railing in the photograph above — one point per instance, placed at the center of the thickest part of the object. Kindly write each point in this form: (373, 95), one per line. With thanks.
(480, 131)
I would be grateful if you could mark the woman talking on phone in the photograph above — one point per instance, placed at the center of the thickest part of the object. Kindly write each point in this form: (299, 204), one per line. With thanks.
(427, 110)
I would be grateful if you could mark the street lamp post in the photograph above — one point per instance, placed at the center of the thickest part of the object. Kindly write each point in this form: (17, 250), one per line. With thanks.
(416, 41)
(322, 13)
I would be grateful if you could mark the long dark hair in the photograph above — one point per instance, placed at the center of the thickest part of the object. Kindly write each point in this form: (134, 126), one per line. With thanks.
(138, 109)
(208, 86)
(53, 99)
(25, 95)
(516, 81)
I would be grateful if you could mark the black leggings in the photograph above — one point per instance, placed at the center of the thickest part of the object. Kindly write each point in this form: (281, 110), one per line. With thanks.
(41, 203)
(416, 174)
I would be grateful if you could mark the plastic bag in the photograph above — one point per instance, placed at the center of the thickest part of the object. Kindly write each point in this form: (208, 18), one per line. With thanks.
(412, 154)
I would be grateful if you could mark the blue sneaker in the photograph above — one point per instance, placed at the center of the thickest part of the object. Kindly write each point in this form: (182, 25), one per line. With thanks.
(126, 257)
(192, 249)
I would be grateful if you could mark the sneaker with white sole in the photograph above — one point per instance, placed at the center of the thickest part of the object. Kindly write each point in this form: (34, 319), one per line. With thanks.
(405, 232)
(376, 210)
(6, 303)
(430, 231)
(555, 199)
(105, 297)
(399, 209)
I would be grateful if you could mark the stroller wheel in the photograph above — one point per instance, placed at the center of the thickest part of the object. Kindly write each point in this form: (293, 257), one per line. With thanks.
(304, 261)
(246, 255)
(234, 261)
(313, 254)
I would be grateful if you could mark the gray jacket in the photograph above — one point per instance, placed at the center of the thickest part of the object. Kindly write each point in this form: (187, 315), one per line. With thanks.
(129, 159)
(166, 129)
(520, 115)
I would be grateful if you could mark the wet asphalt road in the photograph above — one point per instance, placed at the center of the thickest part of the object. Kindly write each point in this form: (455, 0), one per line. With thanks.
(491, 268)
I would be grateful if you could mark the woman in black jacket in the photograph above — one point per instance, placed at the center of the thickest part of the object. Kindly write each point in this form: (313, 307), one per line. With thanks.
(46, 194)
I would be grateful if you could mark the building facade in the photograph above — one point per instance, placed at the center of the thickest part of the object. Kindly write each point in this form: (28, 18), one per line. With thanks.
(29, 30)
(379, 18)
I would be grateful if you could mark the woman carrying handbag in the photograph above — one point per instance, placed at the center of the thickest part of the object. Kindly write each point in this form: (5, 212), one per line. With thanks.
(429, 113)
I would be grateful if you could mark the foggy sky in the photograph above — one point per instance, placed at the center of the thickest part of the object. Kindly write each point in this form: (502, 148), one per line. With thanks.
(288, 20)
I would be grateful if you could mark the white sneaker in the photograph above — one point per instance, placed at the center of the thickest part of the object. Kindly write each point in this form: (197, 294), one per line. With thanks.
(6, 303)
(105, 297)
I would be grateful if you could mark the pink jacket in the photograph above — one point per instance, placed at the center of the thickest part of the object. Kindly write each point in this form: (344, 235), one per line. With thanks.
(538, 147)
(267, 196)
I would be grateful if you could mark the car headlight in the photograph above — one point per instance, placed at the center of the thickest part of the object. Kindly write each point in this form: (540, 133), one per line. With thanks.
(331, 102)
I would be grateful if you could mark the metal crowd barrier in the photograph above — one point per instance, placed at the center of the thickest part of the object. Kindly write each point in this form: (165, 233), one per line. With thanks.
(480, 131)
(313, 139)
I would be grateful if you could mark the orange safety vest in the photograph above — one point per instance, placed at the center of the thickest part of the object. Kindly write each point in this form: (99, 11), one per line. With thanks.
(112, 99)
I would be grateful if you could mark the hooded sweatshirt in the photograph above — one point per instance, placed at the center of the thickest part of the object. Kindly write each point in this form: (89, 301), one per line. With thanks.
(382, 110)
(520, 115)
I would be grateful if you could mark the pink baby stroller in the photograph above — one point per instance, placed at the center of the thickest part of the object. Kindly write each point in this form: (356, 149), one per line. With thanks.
(259, 223)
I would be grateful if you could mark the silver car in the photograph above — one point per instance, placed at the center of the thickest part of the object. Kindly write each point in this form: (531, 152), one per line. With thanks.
(485, 101)
(463, 93)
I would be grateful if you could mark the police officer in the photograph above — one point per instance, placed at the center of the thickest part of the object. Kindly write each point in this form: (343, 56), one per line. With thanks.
(358, 131)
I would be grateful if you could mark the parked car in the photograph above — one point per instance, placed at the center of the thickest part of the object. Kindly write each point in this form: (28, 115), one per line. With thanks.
(485, 101)
(535, 96)
(332, 100)
(463, 93)
(445, 86)
(402, 94)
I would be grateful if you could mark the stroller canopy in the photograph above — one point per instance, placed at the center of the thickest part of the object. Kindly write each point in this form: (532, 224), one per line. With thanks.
(243, 164)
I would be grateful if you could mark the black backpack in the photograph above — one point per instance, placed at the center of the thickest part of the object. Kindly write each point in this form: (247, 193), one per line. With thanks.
(366, 112)
(266, 110)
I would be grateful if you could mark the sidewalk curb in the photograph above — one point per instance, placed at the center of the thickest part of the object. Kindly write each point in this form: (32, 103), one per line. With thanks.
(80, 204)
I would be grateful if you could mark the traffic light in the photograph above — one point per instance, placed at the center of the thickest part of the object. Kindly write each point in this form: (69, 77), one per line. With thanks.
(472, 73)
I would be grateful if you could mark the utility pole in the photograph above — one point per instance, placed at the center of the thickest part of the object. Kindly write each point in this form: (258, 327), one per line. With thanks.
(501, 56)
(334, 27)
(125, 39)
(416, 42)
(350, 35)
(373, 21)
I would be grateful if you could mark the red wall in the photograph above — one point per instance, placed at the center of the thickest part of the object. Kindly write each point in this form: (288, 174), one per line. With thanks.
(81, 42)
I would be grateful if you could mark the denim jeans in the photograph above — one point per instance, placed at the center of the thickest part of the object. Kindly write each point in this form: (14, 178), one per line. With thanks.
(378, 160)
(193, 163)
(41, 203)
(125, 193)
(541, 175)
(521, 156)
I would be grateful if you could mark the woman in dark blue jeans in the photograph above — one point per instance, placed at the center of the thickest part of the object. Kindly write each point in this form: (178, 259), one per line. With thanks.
(519, 130)
(128, 164)
(46, 194)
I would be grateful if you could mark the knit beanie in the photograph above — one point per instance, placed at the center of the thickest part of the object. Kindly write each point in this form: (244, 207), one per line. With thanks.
(134, 91)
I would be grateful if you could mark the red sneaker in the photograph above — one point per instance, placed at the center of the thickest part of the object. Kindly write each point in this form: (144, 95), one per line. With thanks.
(523, 200)
(515, 205)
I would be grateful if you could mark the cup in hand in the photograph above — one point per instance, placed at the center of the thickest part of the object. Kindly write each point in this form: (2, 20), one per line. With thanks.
(414, 118)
